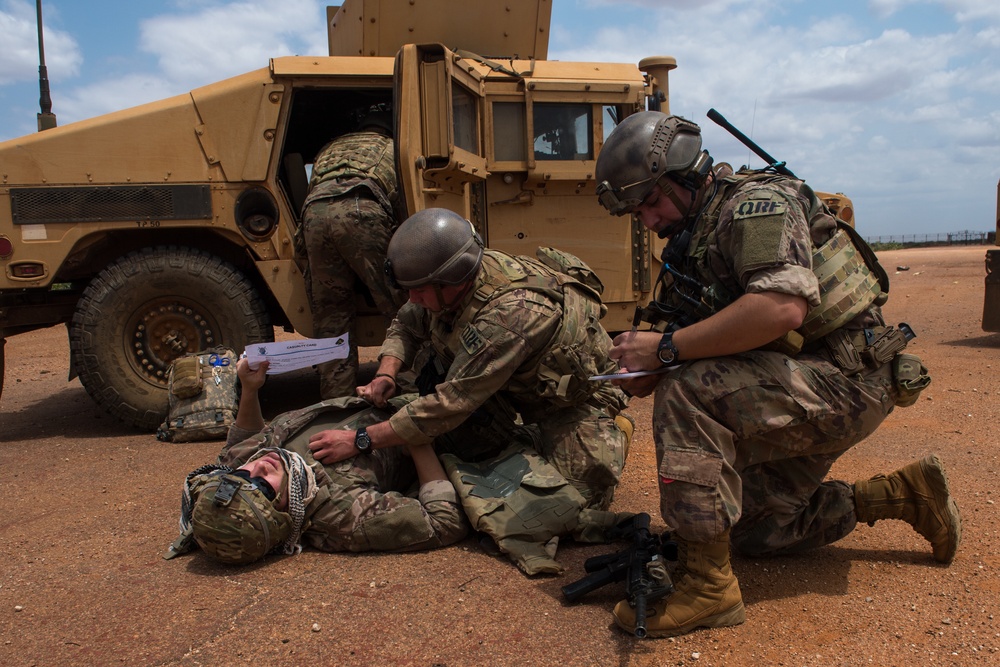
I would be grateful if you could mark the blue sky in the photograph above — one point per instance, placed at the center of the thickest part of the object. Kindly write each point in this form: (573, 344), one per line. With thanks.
(894, 102)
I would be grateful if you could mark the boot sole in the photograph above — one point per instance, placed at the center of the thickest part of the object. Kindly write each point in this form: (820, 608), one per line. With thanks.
(936, 477)
(733, 616)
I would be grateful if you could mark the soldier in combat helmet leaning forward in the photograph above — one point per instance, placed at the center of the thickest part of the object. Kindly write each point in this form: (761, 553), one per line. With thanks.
(512, 337)
(268, 494)
(776, 372)
(348, 217)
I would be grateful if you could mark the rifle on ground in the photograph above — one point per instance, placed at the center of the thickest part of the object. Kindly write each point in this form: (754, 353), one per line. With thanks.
(642, 566)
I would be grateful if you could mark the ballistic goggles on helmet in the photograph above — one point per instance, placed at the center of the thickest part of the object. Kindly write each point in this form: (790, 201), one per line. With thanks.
(616, 201)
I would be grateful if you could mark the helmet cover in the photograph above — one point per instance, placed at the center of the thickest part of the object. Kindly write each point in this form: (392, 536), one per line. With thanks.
(436, 246)
(233, 522)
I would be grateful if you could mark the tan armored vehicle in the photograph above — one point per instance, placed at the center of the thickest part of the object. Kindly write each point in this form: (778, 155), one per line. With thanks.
(167, 228)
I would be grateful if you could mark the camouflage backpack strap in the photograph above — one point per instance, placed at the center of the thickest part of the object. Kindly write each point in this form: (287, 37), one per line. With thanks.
(521, 501)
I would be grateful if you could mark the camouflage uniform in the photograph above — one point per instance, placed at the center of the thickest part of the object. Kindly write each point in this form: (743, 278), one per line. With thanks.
(745, 441)
(347, 221)
(505, 350)
(361, 503)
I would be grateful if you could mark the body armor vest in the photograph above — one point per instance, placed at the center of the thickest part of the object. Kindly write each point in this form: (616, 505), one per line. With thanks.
(850, 278)
(562, 370)
(360, 155)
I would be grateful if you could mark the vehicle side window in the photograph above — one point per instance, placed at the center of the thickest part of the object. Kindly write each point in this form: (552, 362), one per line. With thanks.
(563, 131)
(463, 109)
(612, 116)
(509, 132)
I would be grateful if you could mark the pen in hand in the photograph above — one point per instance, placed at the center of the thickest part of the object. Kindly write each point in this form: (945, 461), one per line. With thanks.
(635, 322)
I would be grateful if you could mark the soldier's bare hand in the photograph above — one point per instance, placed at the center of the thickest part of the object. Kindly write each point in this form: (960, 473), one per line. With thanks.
(378, 391)
(251, 379)
(638, 352)
(332, 446)
(639, 387)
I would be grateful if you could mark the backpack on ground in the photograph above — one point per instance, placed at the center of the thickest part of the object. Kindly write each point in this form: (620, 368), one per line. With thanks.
(203, 397)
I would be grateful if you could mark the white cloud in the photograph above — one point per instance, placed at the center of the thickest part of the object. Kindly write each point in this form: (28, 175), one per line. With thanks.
(19, 55)
(112, 95)
(198, 44)
(870, 109)
(208, 44)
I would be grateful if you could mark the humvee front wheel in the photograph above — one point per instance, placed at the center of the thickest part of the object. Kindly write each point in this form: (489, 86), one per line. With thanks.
(150, 307)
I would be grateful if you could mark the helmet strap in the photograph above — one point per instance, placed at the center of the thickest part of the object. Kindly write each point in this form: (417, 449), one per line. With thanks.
(447, 306)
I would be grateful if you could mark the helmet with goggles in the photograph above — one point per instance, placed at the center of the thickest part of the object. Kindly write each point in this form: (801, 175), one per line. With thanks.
(643, 149)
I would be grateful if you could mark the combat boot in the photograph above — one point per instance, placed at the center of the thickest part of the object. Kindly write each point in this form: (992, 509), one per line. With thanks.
(706, 594)
(917, 494)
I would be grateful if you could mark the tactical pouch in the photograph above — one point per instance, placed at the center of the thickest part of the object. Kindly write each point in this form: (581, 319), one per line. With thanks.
(564, 375)
(186, 379)
(910, 376)
(843, 352)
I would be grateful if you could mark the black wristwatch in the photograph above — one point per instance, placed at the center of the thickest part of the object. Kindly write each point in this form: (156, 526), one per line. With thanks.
(363, 441)
(666, 351)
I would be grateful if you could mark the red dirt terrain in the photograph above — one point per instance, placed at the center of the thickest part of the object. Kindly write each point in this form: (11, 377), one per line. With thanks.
(91, 505)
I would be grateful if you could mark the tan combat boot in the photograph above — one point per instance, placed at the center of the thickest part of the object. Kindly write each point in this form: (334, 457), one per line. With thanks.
(917, 494)
(706, 595)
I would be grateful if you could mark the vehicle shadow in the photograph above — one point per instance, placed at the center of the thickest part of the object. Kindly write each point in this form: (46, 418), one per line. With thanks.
(68, 412)
(986, 340)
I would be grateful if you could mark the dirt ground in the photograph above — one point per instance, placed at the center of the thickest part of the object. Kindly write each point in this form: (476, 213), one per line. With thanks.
(92, 505)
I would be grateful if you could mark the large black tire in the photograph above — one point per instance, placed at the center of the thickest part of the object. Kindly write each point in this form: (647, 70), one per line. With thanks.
(150, 307)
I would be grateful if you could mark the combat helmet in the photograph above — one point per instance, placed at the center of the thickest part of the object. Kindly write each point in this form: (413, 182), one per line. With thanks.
(233, 520)
(434, 246)
(643, 148)
(377, 116)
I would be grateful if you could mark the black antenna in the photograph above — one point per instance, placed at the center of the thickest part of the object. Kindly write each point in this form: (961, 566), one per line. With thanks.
(748, 142)
(46, 119)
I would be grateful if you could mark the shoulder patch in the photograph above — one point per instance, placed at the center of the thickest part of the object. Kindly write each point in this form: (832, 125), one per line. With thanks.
(760, 203)
(472, 341)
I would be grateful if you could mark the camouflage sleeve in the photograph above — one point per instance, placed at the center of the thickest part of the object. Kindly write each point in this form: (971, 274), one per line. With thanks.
(764, 231)
(444, 512)
(358, 510)
(407, 332)
(240, 445)
(504, 335)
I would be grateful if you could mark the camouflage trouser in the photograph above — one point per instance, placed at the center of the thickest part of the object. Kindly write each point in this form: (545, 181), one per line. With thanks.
(345, 239)
(364, 507)
(585, 444)
(745, 442)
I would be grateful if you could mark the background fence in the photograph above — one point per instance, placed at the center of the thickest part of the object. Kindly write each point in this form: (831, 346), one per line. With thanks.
(952, 238)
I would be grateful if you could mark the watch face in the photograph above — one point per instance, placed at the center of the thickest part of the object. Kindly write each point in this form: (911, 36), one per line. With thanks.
(362, 441)
(666, 350)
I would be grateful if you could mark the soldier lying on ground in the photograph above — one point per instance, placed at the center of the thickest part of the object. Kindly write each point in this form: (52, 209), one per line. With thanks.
(515, 341)
(268, 494)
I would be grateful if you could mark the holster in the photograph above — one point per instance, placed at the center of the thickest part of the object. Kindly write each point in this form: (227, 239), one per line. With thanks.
(854, 351)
